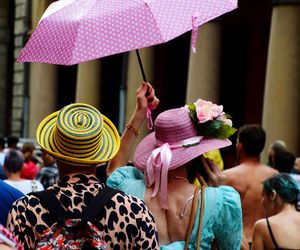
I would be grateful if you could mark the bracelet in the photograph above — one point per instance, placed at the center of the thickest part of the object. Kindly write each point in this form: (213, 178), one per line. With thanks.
(133, 129)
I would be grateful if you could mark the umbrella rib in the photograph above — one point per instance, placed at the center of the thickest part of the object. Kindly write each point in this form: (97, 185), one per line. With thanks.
(75, 40)
(157, 25)
(147, 5)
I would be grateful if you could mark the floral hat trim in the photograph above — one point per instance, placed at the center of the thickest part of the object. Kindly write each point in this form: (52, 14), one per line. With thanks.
(210, 120)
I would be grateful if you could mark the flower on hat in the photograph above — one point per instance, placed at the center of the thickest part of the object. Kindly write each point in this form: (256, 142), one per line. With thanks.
(210, 120)
(207, 110)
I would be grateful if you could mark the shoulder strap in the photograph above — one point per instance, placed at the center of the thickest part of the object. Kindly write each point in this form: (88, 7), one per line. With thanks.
(271, 234)
(201, 218)
(49, 200)
(192, 217)
(98, 202)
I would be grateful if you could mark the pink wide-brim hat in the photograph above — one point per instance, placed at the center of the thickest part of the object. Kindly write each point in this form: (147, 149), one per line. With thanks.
(174, 143)
(174, 126)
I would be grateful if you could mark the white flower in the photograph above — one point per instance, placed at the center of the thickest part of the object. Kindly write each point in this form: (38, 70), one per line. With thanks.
(225, 120)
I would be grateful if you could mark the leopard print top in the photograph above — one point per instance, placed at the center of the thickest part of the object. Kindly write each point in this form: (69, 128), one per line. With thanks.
(127, 223)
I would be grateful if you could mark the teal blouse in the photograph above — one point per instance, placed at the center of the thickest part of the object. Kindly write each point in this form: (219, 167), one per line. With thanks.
(222, 217)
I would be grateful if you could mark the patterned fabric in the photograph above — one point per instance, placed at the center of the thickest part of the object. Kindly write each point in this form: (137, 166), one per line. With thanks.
(57, 237)
(126, 224)
(6, 235)
(71, 31)
(48, 176)
(222, 219)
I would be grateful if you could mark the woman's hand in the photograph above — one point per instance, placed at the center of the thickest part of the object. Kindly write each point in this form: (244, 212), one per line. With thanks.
(215, 176)
(145, 97)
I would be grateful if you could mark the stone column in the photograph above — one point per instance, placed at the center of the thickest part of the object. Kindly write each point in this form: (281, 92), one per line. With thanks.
(89, 83)
(4, 54)
(134, 79)
(281, 113)
(204, 65)
(43, 80)
(20, 95)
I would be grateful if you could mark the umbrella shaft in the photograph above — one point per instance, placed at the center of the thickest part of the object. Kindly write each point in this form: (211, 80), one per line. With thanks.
(141, 65)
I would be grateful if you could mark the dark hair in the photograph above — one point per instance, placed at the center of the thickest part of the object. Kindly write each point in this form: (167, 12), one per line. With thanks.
(12, 140)
(284, 161)
(2, 142)
(278, 146)
(195, 167)
(13, 161)
(253, 139)
(27, 147)
(284, 185)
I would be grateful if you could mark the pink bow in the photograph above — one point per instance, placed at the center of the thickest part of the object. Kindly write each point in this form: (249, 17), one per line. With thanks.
(158, 166)
(157, 173)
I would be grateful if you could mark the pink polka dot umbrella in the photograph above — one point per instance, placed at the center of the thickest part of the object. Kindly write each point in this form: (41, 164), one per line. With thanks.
(75, 31)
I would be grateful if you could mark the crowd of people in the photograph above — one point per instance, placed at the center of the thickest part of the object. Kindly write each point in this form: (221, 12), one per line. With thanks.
(82, 193)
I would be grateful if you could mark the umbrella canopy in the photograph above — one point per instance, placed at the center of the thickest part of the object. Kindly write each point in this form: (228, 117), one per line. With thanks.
(74, 31)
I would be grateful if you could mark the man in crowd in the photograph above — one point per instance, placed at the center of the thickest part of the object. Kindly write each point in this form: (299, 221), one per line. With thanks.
(13, 165)
(275, 148)
(247, 177)
(284, 161)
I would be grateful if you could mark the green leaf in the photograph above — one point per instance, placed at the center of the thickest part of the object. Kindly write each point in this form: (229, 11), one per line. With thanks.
(193, 113)
(225, 131)
(192, 107)
(215, 129)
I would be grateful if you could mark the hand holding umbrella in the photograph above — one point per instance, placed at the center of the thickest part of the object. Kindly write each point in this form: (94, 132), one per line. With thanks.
(146, 102)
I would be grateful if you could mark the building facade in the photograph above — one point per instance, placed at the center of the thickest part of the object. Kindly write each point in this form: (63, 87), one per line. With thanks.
(248, 60)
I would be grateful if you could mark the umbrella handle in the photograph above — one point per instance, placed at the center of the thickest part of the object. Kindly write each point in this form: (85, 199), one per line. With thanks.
(141, 65)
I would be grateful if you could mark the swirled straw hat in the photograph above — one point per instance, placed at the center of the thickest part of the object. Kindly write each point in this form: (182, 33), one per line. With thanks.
(78, 134)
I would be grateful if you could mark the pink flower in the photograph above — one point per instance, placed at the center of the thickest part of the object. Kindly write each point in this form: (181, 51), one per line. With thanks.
(207, 111)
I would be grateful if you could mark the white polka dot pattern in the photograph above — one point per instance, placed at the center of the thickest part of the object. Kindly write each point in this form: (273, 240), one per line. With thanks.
(83, 30)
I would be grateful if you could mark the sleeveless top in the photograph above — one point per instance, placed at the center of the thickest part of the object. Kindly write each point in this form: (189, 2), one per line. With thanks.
(273, 238)
(222, 219)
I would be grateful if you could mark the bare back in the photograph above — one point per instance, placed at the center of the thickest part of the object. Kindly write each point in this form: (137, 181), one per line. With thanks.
(247, 179)
(168, 221)
(285, 227)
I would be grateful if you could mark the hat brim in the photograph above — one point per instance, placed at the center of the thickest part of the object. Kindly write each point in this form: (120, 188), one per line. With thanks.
(106, 150)
(180, 156)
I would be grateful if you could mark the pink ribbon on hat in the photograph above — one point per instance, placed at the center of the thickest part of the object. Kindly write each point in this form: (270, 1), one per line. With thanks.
(194, 30)
(149, 119)
(157, 173)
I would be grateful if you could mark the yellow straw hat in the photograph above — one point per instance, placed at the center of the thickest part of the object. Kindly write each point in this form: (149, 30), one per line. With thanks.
(79, 134)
